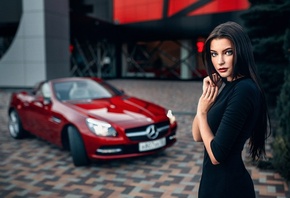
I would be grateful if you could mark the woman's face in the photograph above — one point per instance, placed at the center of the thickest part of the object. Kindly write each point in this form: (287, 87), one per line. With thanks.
(222, 57)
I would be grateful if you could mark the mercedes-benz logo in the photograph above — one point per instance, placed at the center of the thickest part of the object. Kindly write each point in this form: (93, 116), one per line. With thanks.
(152, 132)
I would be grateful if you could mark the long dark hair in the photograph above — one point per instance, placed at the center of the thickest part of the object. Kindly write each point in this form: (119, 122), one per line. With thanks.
(244, 65)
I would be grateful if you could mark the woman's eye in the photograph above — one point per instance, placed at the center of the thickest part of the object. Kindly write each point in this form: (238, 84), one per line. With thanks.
(229, 52)
(213, 54)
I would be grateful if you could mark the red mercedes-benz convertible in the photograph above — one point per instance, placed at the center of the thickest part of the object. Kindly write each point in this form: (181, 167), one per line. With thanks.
(92, 119)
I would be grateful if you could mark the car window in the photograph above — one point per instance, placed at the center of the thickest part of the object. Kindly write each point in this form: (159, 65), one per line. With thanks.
(82, 89)
(62, 90)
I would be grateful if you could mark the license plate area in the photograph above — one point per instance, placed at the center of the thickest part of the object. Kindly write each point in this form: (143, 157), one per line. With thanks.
(151, 145)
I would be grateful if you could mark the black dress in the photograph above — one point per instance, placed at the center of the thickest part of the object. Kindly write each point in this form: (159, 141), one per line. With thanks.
(231, 118)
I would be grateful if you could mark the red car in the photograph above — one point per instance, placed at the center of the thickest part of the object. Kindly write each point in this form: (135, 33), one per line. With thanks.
(92, 119)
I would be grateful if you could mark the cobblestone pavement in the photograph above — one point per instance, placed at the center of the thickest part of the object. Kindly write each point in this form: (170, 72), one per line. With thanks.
(34, 168)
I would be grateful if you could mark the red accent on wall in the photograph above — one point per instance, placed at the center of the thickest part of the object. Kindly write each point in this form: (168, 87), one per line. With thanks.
(71, 48)
(199, 46)
(129, 11)
(177, 5)
(222, 6)
(134, 11)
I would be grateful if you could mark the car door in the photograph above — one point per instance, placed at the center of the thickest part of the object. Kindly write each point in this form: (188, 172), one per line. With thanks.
(40, 110)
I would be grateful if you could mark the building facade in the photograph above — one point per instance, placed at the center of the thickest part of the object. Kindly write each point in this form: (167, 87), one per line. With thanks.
(160, 39)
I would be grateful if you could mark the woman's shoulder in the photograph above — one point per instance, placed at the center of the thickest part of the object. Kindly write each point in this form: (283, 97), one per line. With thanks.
(246, 88)
(246, 84)
(243, 86)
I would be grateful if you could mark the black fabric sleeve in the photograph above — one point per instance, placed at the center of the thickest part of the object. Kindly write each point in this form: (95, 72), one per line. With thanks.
(239, 106)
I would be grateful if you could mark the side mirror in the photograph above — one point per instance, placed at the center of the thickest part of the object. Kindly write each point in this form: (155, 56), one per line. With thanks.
(43, 100)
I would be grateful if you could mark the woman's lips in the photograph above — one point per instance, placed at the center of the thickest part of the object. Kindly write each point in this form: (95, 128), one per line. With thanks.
(222, 70)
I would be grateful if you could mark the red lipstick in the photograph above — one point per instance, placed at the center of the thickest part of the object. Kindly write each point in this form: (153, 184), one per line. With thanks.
(222, 70)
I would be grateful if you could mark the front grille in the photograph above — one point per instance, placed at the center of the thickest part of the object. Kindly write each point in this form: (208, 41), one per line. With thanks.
(140, 133)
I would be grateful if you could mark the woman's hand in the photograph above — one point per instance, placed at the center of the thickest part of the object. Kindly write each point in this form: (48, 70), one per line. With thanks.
(208, 82)
(218, 80)
(210, 92)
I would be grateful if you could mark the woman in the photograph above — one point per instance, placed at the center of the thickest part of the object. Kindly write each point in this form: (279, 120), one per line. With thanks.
(226, 118)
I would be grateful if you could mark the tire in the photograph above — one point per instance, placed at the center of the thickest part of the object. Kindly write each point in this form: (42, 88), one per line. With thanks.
(15, 126)
(77, 148)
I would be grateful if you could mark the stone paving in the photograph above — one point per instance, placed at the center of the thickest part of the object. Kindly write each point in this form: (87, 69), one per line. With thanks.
(34, 168)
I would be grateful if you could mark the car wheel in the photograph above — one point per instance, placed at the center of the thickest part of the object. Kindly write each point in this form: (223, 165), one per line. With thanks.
(14, 125)
(77, 148)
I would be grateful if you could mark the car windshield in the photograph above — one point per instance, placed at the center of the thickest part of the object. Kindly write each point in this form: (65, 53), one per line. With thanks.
(84, 90)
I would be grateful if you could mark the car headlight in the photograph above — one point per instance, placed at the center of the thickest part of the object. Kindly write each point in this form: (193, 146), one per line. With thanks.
(171, 116)
(101, 128)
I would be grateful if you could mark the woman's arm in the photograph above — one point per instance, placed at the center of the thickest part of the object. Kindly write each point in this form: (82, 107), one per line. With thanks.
(205, 102)
(195, 130)
(207, 136)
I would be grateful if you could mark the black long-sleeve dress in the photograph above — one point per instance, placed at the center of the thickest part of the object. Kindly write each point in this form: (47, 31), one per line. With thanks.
(232, 119)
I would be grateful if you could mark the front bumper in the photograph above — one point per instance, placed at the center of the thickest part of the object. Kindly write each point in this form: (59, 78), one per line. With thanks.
(129, 150)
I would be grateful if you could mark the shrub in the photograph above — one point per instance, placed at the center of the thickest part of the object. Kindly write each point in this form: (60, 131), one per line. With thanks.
(281, 144)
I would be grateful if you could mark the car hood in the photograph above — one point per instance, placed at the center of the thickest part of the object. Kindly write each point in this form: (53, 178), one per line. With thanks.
(121, 110)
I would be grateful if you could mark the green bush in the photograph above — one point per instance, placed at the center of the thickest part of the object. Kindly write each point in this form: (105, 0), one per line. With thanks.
(281, 157)
(271, 80)
(269, 42)
(281, 144)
